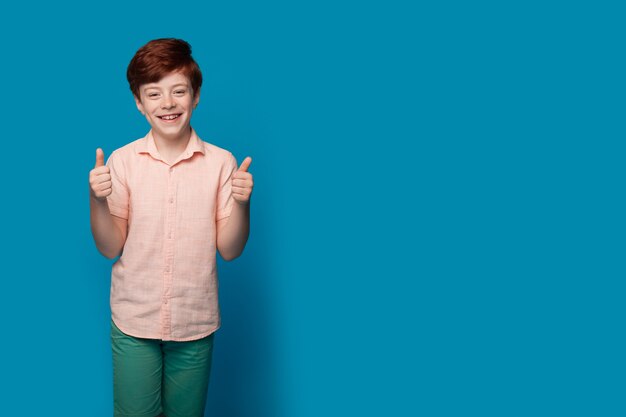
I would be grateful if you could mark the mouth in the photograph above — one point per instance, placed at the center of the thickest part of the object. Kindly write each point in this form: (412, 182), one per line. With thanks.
(169, 118)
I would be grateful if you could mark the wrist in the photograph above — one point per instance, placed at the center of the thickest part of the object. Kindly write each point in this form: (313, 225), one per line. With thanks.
(242, 203)
(97, 200)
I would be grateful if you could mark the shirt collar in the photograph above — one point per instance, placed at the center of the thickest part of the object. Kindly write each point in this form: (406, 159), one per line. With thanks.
(147, 145)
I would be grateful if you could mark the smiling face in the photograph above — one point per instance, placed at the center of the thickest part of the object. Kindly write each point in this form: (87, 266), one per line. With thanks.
(168, 105)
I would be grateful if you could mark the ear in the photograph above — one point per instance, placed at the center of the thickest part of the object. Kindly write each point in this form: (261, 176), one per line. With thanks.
(196, 98)
(139, 105)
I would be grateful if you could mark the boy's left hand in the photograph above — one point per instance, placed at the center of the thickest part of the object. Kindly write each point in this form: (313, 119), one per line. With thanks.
(242, 183)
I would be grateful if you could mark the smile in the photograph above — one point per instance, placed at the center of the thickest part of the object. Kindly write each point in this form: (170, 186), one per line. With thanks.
(169, 117)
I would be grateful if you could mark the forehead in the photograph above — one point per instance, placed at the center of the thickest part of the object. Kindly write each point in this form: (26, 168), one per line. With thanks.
(170, 80)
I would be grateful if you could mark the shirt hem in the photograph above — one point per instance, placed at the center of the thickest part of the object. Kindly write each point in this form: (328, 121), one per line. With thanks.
(177, 339)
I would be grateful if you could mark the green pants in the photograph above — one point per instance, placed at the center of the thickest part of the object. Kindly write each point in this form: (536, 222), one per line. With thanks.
(152, 376)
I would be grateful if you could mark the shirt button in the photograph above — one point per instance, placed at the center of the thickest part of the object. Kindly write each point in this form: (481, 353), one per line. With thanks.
(171, 200)
(172, 169)
(165, 301)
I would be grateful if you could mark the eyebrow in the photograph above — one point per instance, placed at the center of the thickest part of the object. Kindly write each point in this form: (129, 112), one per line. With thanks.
(158, 88)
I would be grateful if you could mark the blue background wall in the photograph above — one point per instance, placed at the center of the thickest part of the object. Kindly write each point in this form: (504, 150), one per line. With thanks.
(438, 216)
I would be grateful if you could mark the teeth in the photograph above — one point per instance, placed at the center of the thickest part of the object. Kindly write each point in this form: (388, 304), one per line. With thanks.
(170, 117)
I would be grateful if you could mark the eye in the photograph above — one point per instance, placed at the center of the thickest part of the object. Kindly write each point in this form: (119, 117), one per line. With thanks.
(179, 92)
(153, 95)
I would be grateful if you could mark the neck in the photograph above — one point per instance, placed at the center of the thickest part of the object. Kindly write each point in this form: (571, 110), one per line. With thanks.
(172, 144)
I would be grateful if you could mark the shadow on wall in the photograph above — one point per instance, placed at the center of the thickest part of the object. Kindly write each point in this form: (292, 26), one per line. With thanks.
(243, 375)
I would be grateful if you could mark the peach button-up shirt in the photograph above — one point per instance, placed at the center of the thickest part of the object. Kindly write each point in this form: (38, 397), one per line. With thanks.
(164, 285)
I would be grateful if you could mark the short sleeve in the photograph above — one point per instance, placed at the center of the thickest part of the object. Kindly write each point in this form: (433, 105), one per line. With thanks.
(224, 193)
(118, 200)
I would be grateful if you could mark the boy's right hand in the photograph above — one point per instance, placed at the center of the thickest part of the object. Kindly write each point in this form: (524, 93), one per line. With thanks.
(100, 178)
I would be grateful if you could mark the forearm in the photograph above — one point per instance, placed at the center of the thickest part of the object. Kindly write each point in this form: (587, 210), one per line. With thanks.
(232, 239)
(109, 239)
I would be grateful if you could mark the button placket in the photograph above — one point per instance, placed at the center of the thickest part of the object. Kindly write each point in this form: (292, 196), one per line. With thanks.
(170, 218)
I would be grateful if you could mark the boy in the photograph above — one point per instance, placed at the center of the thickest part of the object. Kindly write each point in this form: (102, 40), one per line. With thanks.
(166, 203)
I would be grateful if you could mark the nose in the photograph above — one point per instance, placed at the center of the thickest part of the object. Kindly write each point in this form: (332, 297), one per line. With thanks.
(167, 102)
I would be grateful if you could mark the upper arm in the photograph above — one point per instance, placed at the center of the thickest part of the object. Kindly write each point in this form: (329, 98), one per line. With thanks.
(122, 226)
(119, 198)
(224, 202)
(219, 229)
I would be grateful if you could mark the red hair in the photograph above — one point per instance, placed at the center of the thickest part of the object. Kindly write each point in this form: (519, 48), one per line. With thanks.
(160, 57)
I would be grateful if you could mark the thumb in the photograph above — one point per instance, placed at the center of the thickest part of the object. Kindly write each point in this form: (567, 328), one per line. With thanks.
(99, 158)
(245, 164)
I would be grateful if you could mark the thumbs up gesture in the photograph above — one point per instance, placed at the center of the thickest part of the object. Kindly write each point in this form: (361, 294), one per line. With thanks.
(100, 178)
(242, 183)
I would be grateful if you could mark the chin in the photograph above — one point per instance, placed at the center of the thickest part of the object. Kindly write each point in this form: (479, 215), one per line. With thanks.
(173, 131)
